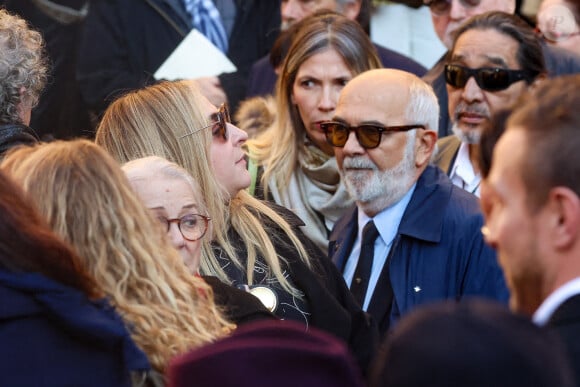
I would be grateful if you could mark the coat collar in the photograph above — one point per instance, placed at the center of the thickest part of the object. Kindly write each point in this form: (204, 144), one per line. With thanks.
(421, 220)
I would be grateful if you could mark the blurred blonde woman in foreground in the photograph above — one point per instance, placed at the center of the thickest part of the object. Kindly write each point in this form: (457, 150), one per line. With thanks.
(88, 201)
(255, 245)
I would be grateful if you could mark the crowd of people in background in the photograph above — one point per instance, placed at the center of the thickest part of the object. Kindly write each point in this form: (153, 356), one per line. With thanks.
(361, 221)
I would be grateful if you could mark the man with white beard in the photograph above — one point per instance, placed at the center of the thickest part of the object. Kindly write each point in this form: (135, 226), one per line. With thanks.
(425, 242)
(494, 59)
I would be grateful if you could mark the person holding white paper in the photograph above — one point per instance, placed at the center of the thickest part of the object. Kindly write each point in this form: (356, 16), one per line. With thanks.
(125, 42)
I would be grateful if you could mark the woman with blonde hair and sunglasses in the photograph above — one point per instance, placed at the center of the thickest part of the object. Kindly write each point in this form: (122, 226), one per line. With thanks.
(297, 168)
(255, 246)
(88, 201)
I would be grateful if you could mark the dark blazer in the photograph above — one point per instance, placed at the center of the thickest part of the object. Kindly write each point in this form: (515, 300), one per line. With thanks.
(438, 253)
(558, 62)
(125, 41)
(447, 149)
(262, 78)
(566, 322)
(12, 135)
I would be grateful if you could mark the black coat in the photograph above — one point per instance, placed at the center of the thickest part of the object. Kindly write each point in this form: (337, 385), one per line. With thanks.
(12, 135)
(566, 322)
(331, 306)
(125, 41)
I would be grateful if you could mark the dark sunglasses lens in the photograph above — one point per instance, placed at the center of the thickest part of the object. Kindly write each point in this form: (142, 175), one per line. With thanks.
(493, 79)
(369, 136)
(456, 76)
(336, 134)
(225, 111)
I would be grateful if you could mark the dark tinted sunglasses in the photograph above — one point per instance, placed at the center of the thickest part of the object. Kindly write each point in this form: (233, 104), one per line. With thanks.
(219, 126)
(368, 136)
(487, 78)
(442, 7)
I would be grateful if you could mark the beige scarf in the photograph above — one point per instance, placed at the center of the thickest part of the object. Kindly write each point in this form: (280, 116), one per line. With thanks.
(315, 194)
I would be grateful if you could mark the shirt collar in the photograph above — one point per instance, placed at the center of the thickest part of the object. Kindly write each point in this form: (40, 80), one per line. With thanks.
(387, 221)
(554, 300)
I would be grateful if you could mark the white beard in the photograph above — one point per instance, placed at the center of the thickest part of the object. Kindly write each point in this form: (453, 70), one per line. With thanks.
(470, 136)
(377, 189)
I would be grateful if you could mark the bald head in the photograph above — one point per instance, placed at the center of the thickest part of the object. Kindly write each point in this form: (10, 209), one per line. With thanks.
(446, 18)
(394, 91)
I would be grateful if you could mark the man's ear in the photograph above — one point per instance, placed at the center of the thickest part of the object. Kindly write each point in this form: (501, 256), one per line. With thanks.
(351, 9)
(564, 217)
(424, 146)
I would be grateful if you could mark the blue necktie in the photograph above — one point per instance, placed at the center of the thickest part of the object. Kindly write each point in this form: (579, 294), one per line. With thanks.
(362, 273)
(206, 19)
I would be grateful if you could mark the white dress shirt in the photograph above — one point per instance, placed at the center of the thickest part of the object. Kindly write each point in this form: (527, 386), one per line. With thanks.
(554, 300)
(462, 174)
(387, 223)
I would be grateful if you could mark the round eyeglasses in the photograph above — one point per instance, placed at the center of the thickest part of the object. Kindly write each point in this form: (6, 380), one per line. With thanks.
(192, 226)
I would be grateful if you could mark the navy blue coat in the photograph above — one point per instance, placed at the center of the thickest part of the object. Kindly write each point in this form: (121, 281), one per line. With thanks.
(52, 335)
(262, 79)
(438, 249)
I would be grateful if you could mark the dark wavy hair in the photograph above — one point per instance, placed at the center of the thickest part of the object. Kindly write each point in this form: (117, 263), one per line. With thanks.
(29, 245)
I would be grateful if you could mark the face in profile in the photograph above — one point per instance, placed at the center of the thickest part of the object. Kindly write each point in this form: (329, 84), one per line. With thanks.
(174, 205)
(228, 159)
(512, 228)
(315, 92)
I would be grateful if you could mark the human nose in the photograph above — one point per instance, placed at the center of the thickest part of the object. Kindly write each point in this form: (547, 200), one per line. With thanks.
(327, 100)
(238, 136)
(175, 235)
(352, 146)
(471, 91)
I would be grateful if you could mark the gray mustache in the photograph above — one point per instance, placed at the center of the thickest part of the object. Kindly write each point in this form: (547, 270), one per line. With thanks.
(358, 162)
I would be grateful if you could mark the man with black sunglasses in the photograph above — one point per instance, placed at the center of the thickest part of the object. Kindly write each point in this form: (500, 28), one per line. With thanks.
(412, 237)
(495, 58)
(448, 15)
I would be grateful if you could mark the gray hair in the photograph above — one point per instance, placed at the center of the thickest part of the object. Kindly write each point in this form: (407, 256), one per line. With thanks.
(423, 107)
(149, 167)
(23, 66)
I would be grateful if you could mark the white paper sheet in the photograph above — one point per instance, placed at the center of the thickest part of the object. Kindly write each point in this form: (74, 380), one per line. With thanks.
(195, 57)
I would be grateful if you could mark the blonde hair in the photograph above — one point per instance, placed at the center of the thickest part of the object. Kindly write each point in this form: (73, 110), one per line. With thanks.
(164, 120)
(88, 201)
(278, 148)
